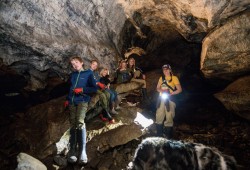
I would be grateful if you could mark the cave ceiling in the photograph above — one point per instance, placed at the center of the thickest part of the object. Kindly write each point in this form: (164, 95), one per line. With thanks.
(38, 37)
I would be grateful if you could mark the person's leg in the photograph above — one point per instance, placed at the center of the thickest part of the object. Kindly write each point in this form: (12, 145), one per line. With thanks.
(112, 100)
(104, 99)
(160, 115)
(168, 124)
(144, 87)
(72, 154)
(116, 100)
(81, 132)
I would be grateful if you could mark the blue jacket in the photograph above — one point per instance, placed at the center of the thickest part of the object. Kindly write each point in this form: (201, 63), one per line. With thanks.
(83, 79)
(96, 75)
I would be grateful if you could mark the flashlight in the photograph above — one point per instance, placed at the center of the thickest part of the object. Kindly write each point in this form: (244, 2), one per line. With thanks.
(164, 96)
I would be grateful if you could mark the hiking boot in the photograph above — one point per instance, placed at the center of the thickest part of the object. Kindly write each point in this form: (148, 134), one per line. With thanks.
(104, 119)
(112, 121)
(168, 131)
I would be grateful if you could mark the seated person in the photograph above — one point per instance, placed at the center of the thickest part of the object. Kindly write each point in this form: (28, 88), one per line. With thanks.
(122, 74)
(137, 76)
(113, 95)
(123, 80)
(103, 95)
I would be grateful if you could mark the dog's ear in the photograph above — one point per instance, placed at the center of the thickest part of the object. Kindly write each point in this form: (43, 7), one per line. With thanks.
(231, 162)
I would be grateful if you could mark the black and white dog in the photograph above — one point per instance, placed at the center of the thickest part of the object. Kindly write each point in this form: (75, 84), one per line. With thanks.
(157, 153)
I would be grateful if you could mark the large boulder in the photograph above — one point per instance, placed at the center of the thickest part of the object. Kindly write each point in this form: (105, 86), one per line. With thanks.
(236, 97)
(26, 161)
(41, 126)
(44, 130)
(225, 51)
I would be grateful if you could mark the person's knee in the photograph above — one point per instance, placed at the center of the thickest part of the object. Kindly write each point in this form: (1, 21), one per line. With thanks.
(81, 125)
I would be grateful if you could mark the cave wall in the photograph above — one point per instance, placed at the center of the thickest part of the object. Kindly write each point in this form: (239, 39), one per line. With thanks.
(38, 37)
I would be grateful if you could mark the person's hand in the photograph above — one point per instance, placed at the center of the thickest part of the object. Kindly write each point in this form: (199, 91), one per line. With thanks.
(66, 104)
(172, 93)
(78, 90)
(164, 90)
(102, 86)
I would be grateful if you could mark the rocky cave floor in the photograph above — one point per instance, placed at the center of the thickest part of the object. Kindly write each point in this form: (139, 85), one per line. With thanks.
(200, 121)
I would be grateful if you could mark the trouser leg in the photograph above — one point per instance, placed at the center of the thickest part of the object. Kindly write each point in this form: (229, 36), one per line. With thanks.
(160, 115)
(168, 129)
(72, 154)
(104, 99)
(77, 116)
(107, 115)
(169, 122)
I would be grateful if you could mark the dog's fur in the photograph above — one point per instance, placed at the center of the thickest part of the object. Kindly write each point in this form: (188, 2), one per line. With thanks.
(157, 153)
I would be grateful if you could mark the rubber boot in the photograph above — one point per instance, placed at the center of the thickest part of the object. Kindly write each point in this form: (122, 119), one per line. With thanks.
(81, 140)
(159, 128)
(72, 154)
(168, 131)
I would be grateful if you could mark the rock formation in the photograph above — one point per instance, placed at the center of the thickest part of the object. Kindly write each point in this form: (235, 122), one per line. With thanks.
(236, 97)
(225, 51)
(37, 37)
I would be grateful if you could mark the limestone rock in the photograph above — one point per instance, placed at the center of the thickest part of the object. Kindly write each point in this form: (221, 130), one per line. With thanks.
(43, 130)
(38, 37)
(236, 97)
(127, 87)
(41, 126)
(225, 51)
(26, 161)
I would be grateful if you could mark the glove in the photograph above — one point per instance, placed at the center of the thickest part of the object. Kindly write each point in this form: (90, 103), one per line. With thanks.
(78, 90)
(102, 86)
(66, 104)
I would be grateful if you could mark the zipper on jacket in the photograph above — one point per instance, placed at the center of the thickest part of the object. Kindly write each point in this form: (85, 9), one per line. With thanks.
(75, 86)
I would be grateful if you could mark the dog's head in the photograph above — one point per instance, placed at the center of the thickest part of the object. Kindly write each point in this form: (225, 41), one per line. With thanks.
(212, 158)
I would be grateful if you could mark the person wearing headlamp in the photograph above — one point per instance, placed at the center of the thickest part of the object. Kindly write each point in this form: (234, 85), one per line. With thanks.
(168, 85)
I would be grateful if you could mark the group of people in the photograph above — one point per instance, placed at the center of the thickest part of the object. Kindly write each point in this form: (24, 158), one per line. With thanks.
(86, 82)
(128, 72)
